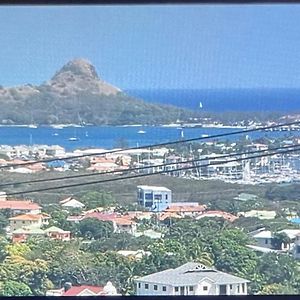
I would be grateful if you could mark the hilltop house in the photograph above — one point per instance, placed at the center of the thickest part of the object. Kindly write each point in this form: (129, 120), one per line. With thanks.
(190, 279)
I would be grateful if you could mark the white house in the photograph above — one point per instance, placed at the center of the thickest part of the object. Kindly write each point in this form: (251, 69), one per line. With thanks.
(70, 203)
(156, 198)
(191, 279)
(264, 239)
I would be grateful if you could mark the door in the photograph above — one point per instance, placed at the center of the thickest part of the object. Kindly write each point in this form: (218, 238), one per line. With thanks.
(223, 289)
(182, 290)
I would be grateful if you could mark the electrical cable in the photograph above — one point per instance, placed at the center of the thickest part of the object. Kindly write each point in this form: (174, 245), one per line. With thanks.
(144, 167)
(149, 174)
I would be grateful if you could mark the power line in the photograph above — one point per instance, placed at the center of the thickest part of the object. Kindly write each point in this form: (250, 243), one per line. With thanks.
(150, 174)
(152, 146)
(145, 167)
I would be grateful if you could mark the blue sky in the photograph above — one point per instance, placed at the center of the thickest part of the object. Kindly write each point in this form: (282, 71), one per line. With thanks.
(223, 46)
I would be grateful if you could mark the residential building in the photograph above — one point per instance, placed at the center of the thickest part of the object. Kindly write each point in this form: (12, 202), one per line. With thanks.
(155, 198)
(260, 214)
(186, 209)
(20, 235)
(190, 279)
(120, 223)
(20, 206)
(70, 203)
(56, 233)
(31, 220)
(264, 238)
(217, 214)
(84, 290)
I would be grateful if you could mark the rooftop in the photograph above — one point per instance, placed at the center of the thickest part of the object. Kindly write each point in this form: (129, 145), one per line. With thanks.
(154, 188)
(191, 274)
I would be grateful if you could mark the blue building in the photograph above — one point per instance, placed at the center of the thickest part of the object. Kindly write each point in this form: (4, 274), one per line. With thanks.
(155, 198)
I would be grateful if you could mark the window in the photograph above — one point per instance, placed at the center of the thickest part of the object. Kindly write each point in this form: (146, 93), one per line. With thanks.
(238, 288)
(205, 288)
(166, 197)
(139, 285)
(176, 289)
(148, 196)
(155, 287)
(231, 286)
(164, 288)
(158, 197)
(146, 286)
(191, 288)
(23, 222)
(266, 241)
(243, 287)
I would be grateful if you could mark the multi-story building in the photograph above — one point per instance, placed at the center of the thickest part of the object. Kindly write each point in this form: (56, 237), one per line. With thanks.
(155, 198)
(191, 279)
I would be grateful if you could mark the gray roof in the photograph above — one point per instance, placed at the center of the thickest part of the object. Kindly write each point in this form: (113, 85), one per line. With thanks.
(190, 274)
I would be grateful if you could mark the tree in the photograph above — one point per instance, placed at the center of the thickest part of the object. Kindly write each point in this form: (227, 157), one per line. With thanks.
(96, 199)
(279, 239)
(277, 289)
(94, 228)
(12, 288)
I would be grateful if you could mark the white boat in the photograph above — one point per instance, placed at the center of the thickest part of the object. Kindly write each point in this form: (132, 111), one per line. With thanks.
(32, 126)
(141, 131)
(55, 134)
(73, 139)
(200, 105)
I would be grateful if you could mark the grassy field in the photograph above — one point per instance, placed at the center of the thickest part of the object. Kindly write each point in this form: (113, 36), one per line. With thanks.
(125, 190)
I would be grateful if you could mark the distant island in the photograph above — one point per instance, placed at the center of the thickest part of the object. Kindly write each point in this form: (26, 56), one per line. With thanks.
(76, 95)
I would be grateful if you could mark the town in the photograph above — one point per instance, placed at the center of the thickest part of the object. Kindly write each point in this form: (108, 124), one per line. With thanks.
(157, 242)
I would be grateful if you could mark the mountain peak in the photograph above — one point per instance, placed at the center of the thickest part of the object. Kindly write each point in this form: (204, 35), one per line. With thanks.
(78, 67)
(77, 76)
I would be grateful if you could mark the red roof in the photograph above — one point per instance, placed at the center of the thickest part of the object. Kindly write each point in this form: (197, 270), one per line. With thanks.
(188, 208)
(19, 204)
(77, 290)
(221, 214)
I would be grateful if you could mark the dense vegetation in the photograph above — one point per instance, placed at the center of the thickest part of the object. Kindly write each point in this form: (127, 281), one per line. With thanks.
(42, 264)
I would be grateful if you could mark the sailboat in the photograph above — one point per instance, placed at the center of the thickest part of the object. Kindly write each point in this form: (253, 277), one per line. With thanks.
(74, 138)
(200, 105)
(141, 131)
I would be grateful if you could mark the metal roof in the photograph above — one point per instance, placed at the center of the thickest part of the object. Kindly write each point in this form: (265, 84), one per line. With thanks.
(190, 274)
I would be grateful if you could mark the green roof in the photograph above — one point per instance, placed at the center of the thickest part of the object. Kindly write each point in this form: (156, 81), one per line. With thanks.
(29, 230)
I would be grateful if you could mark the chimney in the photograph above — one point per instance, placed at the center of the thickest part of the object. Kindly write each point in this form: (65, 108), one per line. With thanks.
(67, 286)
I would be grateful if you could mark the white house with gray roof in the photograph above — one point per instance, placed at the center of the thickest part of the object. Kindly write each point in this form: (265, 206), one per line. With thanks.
(191, 279)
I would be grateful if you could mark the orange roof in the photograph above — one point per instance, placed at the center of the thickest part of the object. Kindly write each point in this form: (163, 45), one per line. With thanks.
(167, 215)
(19, 205)
(26, 217)
(221, 214)
(181, 208)
(123, 221)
